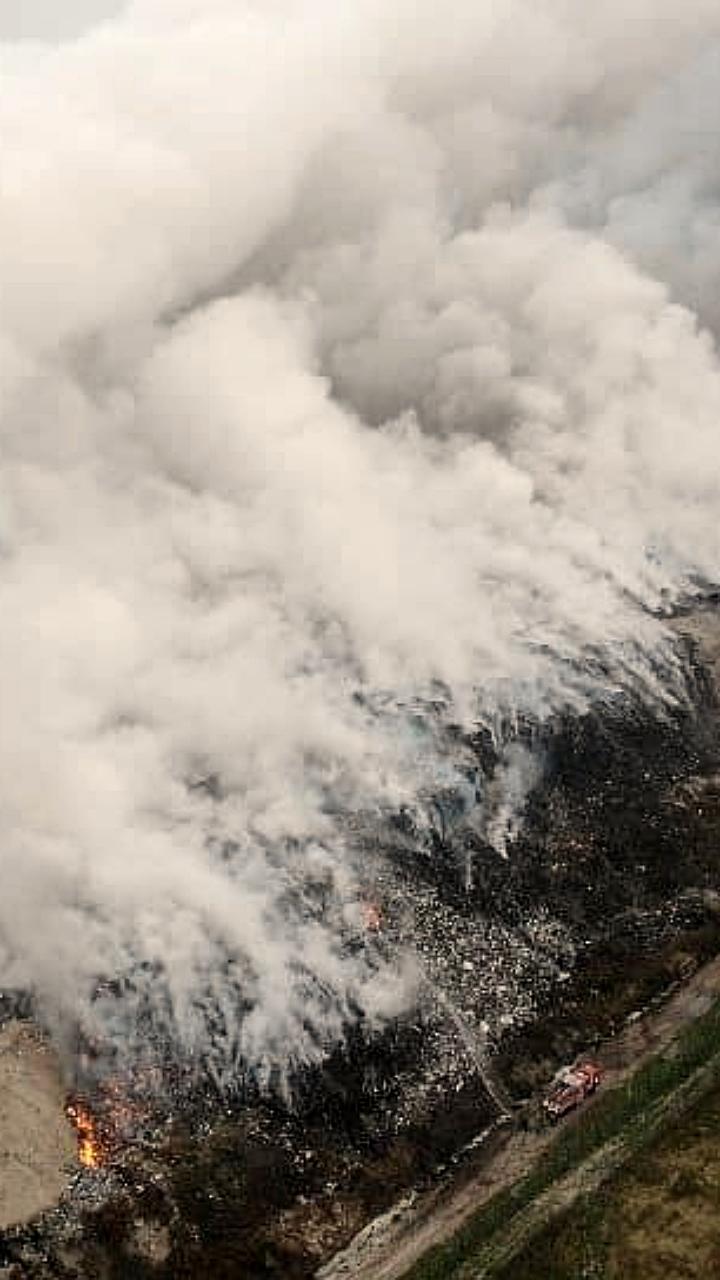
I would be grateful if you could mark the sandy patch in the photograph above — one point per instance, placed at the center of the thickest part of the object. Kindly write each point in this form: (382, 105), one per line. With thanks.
(37, 1145)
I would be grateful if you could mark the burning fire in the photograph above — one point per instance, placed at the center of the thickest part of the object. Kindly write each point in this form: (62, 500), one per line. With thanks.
(111, 1123)
(92, 1150)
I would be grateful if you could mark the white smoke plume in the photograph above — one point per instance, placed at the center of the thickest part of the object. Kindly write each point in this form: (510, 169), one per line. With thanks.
(348, 353)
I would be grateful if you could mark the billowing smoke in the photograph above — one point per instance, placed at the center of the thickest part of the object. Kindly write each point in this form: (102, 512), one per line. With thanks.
(354, 360)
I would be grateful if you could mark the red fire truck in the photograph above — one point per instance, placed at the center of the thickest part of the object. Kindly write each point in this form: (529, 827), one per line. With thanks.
(570, 1089)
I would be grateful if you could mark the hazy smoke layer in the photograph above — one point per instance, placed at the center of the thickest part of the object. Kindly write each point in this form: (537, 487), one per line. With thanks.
(348, 354)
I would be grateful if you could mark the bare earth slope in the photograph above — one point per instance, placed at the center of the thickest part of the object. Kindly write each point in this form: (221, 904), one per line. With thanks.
(37, 1146)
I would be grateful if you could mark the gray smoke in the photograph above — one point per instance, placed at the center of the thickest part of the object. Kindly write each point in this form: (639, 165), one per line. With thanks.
(348, 353)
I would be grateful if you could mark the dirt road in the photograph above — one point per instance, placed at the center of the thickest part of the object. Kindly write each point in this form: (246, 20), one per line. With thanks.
(388, 1247)
(37, 1146)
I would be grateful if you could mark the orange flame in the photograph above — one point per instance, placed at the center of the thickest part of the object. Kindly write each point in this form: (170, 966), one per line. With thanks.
(91, 1148)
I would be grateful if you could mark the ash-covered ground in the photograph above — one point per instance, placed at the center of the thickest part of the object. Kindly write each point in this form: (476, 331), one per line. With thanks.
(609, 893)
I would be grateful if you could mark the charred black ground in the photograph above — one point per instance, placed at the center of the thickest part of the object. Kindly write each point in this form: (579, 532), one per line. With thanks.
(611, 892)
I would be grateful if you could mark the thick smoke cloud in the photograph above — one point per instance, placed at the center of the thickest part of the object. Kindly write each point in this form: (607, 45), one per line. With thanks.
(47, 20)
(348, 354)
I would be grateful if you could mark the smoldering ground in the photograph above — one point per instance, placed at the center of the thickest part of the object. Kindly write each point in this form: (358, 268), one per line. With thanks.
(354, 361)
